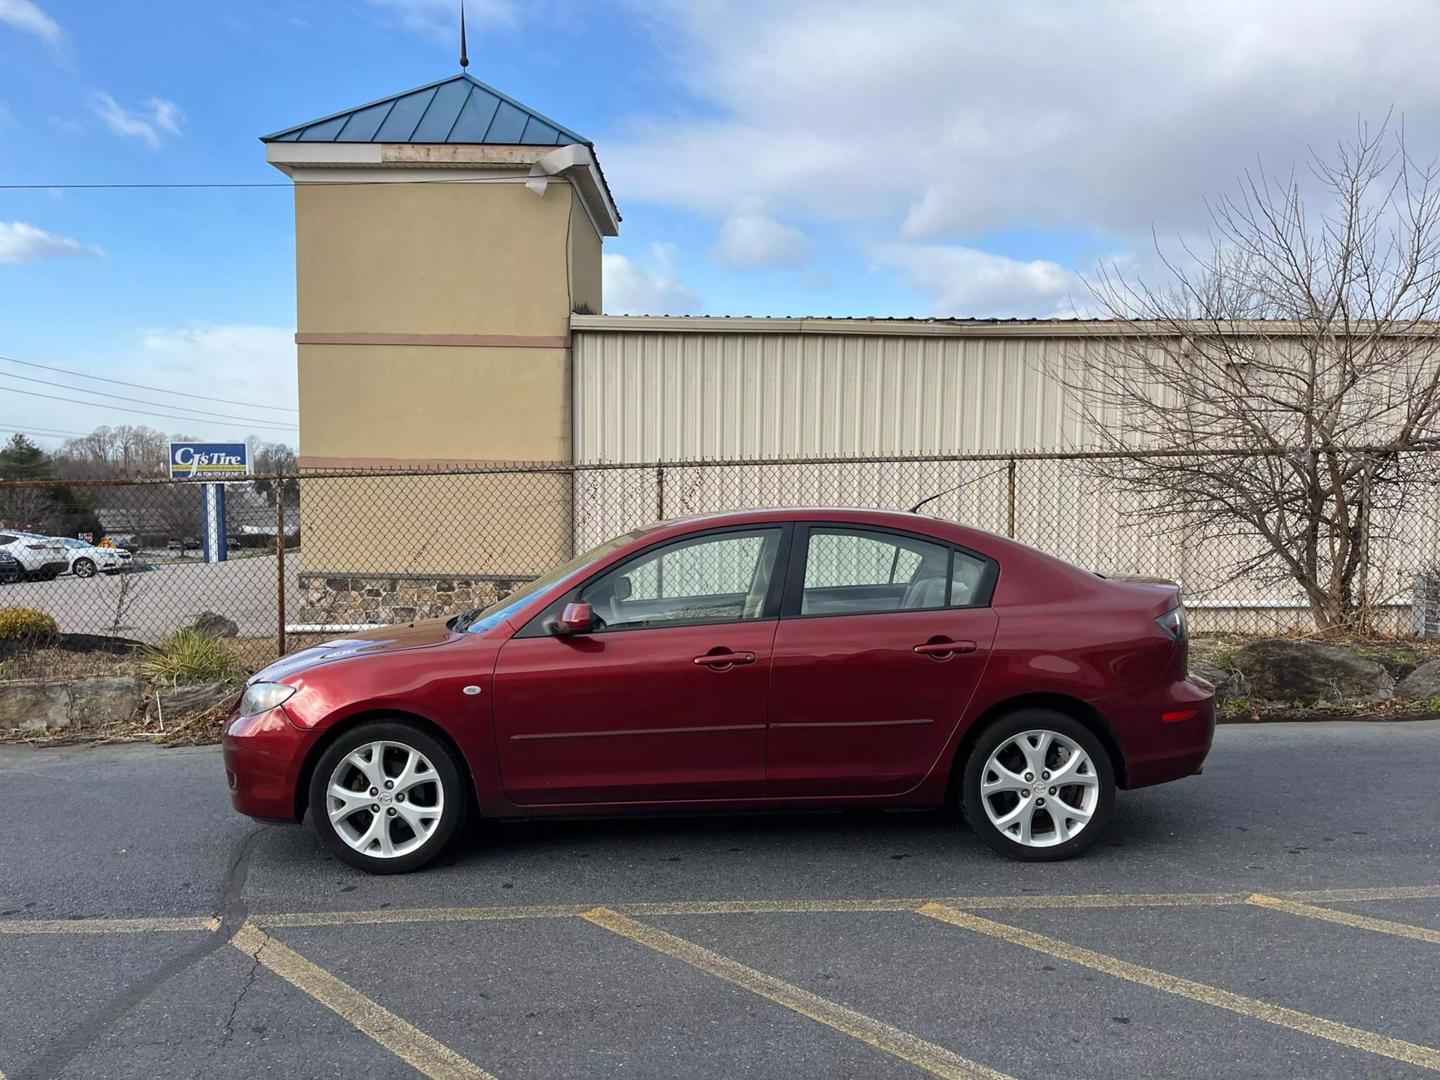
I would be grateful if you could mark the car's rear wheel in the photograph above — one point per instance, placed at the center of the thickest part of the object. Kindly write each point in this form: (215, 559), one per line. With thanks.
(386, 797)
(1038, 786)
(84, 567)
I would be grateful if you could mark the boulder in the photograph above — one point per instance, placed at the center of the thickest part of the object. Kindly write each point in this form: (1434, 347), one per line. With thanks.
(180, 702)
(214, 624)
(103, 699)
(1308, 672)
(1422, 684)
(33, 706)
(1226, 683)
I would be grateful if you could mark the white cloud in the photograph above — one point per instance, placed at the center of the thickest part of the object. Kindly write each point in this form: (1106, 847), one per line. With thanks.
(656, 289)
(439, 20)
(964, 116)
(749, 239)
(244, 362)
(21, 242)
(964, 281)
(147, 122)
(27, 16)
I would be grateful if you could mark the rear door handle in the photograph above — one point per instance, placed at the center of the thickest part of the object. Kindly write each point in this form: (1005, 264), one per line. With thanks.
(725, 659)
(942, 649)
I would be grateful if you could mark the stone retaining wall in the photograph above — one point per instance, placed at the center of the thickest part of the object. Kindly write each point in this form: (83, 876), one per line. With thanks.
(339, 599)
(35, 706)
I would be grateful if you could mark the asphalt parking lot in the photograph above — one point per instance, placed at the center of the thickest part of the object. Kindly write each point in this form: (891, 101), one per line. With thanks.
(1277, 916)
(151, 601)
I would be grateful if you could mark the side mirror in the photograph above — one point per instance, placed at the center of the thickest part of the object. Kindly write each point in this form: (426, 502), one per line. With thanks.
(577, 618)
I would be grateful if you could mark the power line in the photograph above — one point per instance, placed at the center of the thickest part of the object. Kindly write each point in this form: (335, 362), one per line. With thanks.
(199, 413)
(44, 433)
(145, 412)
(142, 386)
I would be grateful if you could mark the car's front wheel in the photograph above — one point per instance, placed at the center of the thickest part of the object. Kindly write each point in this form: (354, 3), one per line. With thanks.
(1038, 786)
(387, 797)
(84, 568)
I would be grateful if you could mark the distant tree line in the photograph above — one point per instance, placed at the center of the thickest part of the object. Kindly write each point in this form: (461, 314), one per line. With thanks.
(44, 507)
(51, 504)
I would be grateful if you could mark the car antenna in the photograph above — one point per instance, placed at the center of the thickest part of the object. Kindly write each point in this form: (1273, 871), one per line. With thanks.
(957, 487)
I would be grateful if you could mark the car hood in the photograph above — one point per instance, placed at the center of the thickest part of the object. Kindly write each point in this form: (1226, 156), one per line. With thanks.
(417, 635)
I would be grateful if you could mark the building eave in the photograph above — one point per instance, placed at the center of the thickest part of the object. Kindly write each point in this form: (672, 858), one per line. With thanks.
(983, 328)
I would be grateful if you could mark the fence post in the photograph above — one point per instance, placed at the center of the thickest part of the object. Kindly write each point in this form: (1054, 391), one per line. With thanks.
(659, 492)
(279, 489)
(1010, 498)
(1364, 523)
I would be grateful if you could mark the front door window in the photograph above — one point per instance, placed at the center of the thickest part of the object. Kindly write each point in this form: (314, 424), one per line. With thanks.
(717, 578)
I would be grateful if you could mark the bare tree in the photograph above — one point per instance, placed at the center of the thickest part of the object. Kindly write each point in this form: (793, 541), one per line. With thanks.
(114, 452)
(1305, 334)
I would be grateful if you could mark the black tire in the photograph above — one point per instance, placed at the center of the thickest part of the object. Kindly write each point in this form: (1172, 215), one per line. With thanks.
(84, 568)
(1000, 732)
(448, 775)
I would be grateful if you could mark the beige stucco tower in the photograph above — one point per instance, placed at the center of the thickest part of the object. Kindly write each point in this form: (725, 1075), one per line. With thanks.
(443, 238)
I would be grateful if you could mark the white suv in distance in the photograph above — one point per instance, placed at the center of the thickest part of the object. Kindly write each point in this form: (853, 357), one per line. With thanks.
(86, 559)
(40, 557)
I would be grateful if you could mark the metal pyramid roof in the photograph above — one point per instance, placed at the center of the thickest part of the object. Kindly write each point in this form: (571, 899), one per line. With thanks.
(460, 109)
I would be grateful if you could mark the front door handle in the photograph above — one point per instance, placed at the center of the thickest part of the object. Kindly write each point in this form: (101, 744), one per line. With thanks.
(943, 650)
(722, 660)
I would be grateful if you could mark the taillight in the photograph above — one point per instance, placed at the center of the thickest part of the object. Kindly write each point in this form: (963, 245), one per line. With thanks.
(1173, 623)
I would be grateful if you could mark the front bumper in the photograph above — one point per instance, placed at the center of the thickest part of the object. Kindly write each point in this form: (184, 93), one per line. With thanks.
(263, 755)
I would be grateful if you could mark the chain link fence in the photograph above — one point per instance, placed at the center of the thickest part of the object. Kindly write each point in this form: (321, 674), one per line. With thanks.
(321, 554)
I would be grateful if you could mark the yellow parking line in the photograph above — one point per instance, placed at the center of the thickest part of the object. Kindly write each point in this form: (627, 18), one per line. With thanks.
(891, 1040)
(420, 915)
(104, 926)
(407, 1042)
(710, 907)
(1346, 918)
(1342, 896)
(1356, 1038)
(740, 907)
(761, 907)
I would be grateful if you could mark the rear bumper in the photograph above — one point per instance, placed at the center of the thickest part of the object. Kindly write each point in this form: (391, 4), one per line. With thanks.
(263, 755)
(1164, 733)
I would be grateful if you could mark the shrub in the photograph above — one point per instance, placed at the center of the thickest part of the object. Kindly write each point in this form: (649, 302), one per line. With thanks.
(189, 656)
(26, 626)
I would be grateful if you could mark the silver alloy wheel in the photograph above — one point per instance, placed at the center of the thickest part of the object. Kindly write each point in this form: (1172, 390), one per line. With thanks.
(385, 799)
(1039, 788)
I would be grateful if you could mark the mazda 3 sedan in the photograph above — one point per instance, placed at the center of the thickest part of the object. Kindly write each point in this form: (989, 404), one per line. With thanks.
(763, 659)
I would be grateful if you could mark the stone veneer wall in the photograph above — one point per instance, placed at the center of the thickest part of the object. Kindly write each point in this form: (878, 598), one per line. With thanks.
(327, 599)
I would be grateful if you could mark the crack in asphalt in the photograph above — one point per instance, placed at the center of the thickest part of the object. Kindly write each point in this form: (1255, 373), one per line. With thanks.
(62, 1051)
(229, 1030)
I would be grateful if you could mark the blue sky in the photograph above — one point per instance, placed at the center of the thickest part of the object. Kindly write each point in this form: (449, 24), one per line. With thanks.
(812, 157)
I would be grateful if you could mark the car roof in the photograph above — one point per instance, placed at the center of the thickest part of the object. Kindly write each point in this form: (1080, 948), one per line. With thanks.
(848, 515)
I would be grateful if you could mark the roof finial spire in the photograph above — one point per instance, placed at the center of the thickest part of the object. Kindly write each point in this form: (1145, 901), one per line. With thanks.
(464, 59)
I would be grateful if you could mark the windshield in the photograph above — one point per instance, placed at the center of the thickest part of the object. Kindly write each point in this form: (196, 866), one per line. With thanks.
(490, 617)
(76, 544)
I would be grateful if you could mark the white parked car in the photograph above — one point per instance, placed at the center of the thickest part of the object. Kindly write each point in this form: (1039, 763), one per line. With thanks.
(86, 560)
(41, 557)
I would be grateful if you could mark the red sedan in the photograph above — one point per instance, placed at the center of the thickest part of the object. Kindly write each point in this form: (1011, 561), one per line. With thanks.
(769, 658)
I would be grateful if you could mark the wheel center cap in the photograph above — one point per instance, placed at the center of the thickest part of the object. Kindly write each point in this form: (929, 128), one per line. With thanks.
(386, 798)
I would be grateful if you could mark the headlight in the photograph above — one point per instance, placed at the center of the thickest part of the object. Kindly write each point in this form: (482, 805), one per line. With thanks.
(1173, 623)
(263, 696)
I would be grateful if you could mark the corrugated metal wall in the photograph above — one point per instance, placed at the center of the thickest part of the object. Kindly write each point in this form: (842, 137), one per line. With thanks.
(653, 395)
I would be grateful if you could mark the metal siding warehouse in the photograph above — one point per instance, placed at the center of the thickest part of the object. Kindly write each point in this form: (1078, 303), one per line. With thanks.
(658, 389)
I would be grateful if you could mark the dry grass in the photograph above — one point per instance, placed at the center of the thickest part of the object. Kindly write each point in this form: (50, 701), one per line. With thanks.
(60, 662)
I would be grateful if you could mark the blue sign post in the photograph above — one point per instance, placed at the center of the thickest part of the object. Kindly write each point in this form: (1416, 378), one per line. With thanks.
(219, 460)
